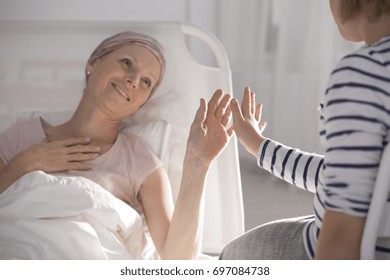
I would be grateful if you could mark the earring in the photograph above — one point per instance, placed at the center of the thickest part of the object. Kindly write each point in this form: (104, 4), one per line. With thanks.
(88, 73)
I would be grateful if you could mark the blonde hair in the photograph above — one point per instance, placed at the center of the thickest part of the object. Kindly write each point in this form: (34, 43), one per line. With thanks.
(373, 9)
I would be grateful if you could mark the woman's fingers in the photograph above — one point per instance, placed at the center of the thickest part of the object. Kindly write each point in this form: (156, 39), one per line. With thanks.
(77, 145)
(218, 107)
(214, 102)
(222, 107)
(83, 149)
(226, 117)
(74, 152)
(200, 115)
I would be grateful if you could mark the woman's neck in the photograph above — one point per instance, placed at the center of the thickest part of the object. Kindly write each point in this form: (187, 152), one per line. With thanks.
(85, 124)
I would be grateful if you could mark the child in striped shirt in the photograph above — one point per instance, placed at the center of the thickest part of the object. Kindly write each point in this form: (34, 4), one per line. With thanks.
(354, 129)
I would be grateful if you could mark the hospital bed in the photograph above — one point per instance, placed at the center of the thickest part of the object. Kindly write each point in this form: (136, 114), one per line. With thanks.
(42, 68)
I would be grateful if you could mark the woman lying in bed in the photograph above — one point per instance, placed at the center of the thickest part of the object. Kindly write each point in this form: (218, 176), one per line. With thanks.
(122, 74)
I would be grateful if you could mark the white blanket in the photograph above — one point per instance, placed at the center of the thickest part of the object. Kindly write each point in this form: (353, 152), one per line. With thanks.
(57, 217)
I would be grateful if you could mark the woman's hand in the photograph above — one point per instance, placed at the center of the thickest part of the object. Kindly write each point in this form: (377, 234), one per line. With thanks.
(247, 122)
(55, 156)
(209, 134)
(208, 137)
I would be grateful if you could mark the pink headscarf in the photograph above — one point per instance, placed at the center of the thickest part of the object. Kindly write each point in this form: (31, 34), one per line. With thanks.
(126, 38)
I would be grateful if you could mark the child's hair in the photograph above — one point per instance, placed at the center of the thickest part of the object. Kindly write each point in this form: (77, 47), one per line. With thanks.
(372, 8)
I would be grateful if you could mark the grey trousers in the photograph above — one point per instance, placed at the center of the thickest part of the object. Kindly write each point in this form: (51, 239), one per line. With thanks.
(277, 240)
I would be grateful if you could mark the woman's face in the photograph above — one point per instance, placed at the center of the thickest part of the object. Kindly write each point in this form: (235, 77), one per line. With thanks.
(350, 28)
(124, 79)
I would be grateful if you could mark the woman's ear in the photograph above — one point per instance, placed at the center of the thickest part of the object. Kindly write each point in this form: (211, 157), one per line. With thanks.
(89, 68)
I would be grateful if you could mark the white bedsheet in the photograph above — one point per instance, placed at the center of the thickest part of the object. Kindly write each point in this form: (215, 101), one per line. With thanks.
(57, 217)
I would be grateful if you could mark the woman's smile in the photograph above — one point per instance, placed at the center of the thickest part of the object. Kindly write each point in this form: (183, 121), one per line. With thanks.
(120, 91)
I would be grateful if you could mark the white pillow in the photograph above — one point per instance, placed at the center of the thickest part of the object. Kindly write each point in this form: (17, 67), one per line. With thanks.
(5, 122)
(155, 133)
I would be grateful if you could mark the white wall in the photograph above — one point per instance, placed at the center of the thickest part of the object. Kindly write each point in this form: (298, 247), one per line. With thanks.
(91, 9)
(199, 12)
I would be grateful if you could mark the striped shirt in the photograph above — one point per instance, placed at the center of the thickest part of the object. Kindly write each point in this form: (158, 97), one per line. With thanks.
(354, 128)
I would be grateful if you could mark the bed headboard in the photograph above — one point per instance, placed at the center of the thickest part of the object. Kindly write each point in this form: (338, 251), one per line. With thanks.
(42, 69)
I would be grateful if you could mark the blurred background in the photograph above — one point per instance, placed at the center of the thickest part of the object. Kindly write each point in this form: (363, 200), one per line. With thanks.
(283, 49)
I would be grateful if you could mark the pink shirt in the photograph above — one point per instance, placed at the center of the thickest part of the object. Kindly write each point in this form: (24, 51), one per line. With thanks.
(121, 170)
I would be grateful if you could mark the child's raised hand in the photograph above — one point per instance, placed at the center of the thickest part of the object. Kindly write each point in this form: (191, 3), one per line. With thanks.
(247, 122)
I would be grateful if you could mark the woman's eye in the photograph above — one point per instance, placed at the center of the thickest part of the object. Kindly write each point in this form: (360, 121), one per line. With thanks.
(147, 82)
(127, 62)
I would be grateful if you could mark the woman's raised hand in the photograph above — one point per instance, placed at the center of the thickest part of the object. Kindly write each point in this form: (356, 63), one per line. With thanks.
(247, 122)
(209, 134)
